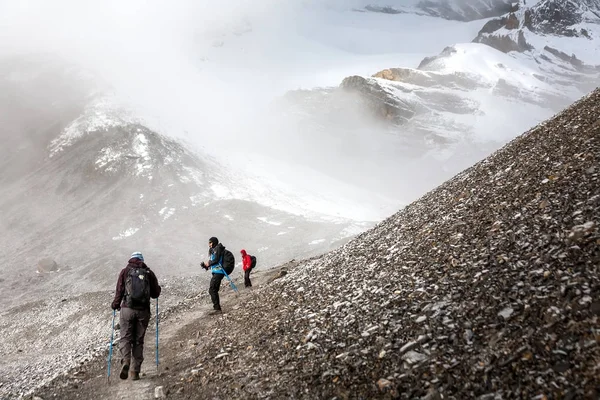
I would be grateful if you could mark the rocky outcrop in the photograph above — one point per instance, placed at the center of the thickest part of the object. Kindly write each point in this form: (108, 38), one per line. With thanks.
(449, 9)
(506, 43)
(572, 59)
(561, 17)
(548, 17)
(47, 265)
(378, 100)
(424, 79)
(465, 10)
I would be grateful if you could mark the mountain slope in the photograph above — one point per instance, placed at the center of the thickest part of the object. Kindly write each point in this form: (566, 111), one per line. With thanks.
(487, 286)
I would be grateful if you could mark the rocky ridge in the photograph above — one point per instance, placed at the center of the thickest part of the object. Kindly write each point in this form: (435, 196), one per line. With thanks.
(515, 30)
(447, 9)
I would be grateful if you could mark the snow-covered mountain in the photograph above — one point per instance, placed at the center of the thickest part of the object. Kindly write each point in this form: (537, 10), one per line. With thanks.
(450, 111)
(83, 187)
(455, 107)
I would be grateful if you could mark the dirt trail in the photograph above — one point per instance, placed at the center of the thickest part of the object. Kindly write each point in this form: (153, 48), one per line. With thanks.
(180, 332)
(145, 387)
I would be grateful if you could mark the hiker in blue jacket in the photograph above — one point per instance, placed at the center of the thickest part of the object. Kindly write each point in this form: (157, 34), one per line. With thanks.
(220, 259)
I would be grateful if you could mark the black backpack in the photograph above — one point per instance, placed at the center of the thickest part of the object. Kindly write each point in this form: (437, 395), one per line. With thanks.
(253, 263)
(228, 261)
(137, 288)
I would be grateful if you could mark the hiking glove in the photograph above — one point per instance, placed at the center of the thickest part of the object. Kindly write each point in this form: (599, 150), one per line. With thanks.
(115, 307)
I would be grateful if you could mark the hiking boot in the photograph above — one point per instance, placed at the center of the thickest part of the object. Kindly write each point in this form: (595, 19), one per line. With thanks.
(124, 371)
(215, 312)
(135, 376)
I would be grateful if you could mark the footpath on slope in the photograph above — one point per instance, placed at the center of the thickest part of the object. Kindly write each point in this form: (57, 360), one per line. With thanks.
(180, 334)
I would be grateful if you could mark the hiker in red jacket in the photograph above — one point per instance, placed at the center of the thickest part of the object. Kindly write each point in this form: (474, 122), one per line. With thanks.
(135, 286)
(247, 267)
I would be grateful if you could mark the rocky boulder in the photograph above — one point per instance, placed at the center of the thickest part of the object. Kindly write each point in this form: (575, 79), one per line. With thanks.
(378, 99)
(46, 265)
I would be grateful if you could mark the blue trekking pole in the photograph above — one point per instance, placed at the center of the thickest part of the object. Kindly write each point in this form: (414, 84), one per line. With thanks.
(157, 336)
(112, 332)
(230, 281)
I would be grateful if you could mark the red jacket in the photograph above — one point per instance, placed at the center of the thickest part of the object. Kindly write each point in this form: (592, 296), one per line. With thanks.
(246, 260)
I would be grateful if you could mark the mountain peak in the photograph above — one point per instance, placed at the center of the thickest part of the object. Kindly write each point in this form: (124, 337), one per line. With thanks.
(548, 17)
(562, 17)
(548, 28)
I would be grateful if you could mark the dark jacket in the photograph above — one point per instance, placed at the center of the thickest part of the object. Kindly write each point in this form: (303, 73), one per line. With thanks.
(215, 255)
(119, 300)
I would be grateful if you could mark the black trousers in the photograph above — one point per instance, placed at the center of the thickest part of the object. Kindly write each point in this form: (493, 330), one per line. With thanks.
(247, 282)
(213, 290)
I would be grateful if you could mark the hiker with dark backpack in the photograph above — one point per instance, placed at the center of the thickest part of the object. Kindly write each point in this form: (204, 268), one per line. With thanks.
(221, 262)
(135, 286)
(248, 263)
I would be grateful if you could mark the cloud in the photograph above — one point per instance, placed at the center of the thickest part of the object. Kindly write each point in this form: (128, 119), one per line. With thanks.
(210, 71)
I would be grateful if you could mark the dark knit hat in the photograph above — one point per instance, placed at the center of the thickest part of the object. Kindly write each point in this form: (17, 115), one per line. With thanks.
(214, 241)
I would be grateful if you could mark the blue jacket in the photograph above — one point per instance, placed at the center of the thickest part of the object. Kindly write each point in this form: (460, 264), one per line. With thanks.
(216, 264)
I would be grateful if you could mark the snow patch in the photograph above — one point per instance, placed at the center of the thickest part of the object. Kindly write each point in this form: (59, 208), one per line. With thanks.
(108, 155)
(197, 199)
(266, 220)
(99, 115)
(166, 212)
(221, 191)
(192, 175)
(126, 233)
